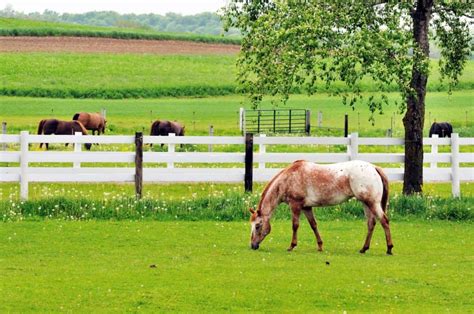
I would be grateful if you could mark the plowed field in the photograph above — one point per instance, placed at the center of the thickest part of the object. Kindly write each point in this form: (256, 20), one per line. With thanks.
(109, 45)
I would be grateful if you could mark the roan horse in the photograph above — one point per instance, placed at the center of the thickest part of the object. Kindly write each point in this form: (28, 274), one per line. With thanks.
(443, 129)
(304, 184)
(166, 127)
(91, 121)
(54, 126)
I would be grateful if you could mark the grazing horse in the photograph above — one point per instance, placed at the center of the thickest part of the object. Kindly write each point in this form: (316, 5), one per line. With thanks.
(166, 127)
(304, 184)
(54, 126)
(91, 121)
(443, 129)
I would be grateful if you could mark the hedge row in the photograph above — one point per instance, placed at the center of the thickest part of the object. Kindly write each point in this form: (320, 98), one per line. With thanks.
(121, 93)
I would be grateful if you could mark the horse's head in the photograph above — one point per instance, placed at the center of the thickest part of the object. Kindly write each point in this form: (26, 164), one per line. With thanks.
(260, 228)
(88, 146)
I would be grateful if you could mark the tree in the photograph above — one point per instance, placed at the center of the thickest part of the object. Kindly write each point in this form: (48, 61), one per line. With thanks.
(295, 44)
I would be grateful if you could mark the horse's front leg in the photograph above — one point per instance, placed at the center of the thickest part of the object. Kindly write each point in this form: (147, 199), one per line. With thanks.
(296, 211)
(308, 211)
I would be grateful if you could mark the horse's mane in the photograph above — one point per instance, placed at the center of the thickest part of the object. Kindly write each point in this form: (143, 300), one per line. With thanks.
(267, 188)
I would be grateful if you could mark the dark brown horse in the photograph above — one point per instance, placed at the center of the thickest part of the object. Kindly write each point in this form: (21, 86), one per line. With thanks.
(54, 126)
(91, 121)
(166, 127)
(443, 129)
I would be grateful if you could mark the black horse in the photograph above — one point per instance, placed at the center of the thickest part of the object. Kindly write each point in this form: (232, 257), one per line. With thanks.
(443, 129)
(54, 126)
(166, 127)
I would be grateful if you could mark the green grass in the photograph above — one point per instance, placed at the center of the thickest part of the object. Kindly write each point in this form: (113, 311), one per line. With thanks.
(25, 27)
(131, 115)
(58, 266)
(116, 76)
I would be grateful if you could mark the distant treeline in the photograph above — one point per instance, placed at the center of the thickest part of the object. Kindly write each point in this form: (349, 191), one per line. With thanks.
(203, 23)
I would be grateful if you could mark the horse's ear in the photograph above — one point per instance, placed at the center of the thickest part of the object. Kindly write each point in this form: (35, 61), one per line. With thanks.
(252, 211)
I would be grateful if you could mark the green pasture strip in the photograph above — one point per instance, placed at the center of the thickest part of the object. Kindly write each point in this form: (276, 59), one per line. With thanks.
(197, 114)
(118, 76)
(202, 202)
(107, 266)
(24, 27)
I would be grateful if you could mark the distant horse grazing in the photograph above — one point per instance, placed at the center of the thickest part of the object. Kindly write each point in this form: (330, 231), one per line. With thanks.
(304, 184)
(443, 129)
(54, 126)
(91, 121)
(166, 127)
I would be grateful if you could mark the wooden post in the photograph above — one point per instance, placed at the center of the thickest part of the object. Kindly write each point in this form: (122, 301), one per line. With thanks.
(24, 165)
(346, 125)
(456, 187)
(308, 122)
(262, 149)
(353, 148)
(4, 131)
(77, 149)
(211, 133)
(434, 150)
(274, 121)
(248, 178)
(138, 164)
(258, 123)
(241, 120)
(103, 112)
(171, 149)
(289, 122)
(320, 119)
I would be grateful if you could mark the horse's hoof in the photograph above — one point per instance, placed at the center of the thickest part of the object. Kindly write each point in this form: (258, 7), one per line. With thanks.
(363, 250)
(290, 248)
(389, 253)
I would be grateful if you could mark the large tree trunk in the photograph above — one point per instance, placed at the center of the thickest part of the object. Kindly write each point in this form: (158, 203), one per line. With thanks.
(415, 116)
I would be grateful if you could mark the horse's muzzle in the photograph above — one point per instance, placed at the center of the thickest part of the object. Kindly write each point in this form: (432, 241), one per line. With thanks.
(254, 246)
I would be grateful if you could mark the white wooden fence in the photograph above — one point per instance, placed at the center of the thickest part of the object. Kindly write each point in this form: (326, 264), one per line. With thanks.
(25, 173)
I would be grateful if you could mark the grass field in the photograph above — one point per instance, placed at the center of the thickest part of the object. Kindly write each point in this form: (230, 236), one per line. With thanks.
(197, 114)
(113, 76)
(106, 266)
(24, 27)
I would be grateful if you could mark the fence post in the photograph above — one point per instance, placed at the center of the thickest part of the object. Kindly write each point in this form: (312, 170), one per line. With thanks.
(320, 119)
(346, 125)
(171, 149)
(434, 150)
(77, 149)
(353, 148)
(103, 113)
(262, 150)
(308, 122)
(211, 133)
(4, 131)
(456, 189)
(24, 165)
(248, 178)
(138, 164)
(241, 120)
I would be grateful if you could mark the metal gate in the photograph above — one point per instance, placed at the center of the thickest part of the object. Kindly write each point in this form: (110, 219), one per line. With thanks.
(275, 121)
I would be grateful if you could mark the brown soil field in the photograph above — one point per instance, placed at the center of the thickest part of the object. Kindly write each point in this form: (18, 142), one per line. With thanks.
(110, 45)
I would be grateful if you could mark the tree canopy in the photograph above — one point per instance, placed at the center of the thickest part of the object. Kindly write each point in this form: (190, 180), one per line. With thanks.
(294, 44)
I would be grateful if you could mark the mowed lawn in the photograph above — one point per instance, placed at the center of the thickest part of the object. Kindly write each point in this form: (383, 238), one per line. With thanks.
(107, 266)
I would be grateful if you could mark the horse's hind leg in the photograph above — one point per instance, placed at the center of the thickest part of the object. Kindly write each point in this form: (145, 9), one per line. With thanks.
(308, 211)
(388, 236)
(296, 211)
(371, 221)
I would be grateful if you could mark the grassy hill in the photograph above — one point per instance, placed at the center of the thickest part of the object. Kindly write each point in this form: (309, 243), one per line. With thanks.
(23, 27)
(115, 76)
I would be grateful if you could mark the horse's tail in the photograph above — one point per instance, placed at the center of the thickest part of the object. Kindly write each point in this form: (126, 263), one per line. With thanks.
(76, 116)
(40, 126)
(384, 201)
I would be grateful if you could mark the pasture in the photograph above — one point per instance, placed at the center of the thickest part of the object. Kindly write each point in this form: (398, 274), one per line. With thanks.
(66, 266)
(117, 76)
(130, 115)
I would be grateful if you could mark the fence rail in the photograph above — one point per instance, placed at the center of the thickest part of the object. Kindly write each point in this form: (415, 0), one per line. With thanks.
(243, 163)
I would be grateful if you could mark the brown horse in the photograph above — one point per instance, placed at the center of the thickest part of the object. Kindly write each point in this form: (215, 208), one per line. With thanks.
(91, 121)
(54, 126)
(166, 127)
(304, 184)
